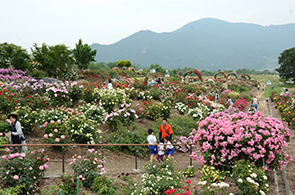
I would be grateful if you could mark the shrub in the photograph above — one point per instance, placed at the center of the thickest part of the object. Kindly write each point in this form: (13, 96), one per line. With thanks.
(88, 166)
(188, 172)
(240, 104)
(181, 108)
(124, 116)
(185, 140)
(224, 139)
(129, 135)
(104, 186)
(158, 178)
(69, 184)
(211, 175)
(153, 112)
(93, 112)
(23, 169)
(56, 133)
(249, 178)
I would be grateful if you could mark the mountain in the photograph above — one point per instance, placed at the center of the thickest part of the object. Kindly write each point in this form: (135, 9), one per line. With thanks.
(208, 44)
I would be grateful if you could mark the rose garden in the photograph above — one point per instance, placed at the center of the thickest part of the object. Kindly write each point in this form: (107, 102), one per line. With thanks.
(237, 151)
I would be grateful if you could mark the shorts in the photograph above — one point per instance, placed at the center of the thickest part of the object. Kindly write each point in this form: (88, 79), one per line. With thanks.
(170, 151)
(154, 149)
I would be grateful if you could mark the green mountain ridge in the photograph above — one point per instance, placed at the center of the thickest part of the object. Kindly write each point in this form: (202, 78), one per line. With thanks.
(208, 44)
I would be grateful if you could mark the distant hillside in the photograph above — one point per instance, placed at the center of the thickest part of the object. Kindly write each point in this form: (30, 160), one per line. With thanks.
(204, 44)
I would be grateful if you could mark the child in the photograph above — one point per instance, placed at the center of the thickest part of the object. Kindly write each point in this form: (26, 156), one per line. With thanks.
(161, 150)
(152, 140)
(169, 147)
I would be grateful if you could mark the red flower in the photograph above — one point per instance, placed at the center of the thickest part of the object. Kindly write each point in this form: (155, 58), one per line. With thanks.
(45, 103)
(28, 96)
(188, 181)
(46, 107)
(187, 193)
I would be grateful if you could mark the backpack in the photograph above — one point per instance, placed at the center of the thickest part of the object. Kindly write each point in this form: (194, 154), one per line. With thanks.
(232, 100)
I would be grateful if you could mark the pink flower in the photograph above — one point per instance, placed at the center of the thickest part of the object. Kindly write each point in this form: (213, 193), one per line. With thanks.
(52, 121)
(55, 130)
(7, 150)
(41, 167)
(57, 139)
(62, 136)
(45, 136)
(16, 177)
(50, 134)
(8, 121)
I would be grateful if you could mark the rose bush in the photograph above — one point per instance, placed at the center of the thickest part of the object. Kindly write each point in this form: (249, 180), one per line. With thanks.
(223, 139)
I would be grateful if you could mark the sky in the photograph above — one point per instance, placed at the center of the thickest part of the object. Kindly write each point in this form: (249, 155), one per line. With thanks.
(25, 22)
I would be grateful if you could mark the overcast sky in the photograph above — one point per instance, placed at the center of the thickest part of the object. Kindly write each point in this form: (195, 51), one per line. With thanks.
(25, 22)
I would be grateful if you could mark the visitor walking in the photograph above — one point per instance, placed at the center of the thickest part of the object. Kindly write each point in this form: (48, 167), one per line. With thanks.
(229, 102)
(216, 96)
(110, 85)
(16, 134)
(169, 147)
(152, 140)
(262, 87)
(165, 130)
(255, 103)
(258, 87)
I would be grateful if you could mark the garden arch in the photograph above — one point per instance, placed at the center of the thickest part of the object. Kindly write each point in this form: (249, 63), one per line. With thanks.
(221, 72)
(232, 73)
(246, 76)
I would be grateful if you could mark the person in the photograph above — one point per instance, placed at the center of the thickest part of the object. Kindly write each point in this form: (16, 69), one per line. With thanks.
(286, 91)
(216, 96)
(262, 87)
(169, 146)
(152, 140)
(110, 85)
(159, 81)
(258, 86)
(255, 103)
(252, 110)
(229, 102)
(161, 150)
(16, 134)
(165, 130)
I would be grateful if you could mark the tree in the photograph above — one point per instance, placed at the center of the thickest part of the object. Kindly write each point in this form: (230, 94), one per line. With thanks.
(128, 63)
(158, 68)
(55, 60)
(121, 63)
(287, 62)
(83, 55)
(15, 56)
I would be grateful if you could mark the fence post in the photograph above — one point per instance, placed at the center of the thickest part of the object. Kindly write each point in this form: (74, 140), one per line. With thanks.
(63, 160)
(102, 152)
(191, 160)
(135, 157)
(78, 185)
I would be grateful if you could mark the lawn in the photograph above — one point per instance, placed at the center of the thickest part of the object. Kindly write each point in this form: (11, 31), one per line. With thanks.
(276, 84)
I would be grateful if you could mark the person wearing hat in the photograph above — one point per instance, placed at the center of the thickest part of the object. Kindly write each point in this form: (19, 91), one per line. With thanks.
(16, 134)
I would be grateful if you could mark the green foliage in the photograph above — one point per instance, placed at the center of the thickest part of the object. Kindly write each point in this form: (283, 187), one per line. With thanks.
(11, 191)
(69, 185)
(121, 63)
(88, 166)
(182, 125)
(75, 94)
(27, 117)
(23, 169)
(249, 179)
(188, 172)
(83, 55)
(93, 112)
(129, 135)
(104, 186)
(15, 56)
(55, 60)
(287, 61)
(57, 133)
(158, 178)
(234, 95)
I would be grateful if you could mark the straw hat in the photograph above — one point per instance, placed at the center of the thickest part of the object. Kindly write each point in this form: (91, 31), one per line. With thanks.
(13, 114)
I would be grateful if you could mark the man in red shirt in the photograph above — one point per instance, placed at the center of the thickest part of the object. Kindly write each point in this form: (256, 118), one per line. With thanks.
(165, 130)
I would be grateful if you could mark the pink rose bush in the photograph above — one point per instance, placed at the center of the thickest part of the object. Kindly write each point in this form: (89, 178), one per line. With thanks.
(240, 103)
(223, 139)
(23, 169)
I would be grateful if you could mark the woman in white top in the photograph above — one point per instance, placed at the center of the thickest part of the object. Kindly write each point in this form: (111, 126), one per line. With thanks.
(255, 103)
(16, 134)
(110, 85)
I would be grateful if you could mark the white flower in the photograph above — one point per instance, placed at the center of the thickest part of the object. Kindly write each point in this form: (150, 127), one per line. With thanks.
(240, 180)
(202, 182)
(261, 192)
(264, 177)
(253, 175)
(223, 184)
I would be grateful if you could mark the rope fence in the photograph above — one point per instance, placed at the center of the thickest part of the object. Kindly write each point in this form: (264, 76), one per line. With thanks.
(96, 145)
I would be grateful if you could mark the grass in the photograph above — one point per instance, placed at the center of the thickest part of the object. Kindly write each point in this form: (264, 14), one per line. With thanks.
(276, 86)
